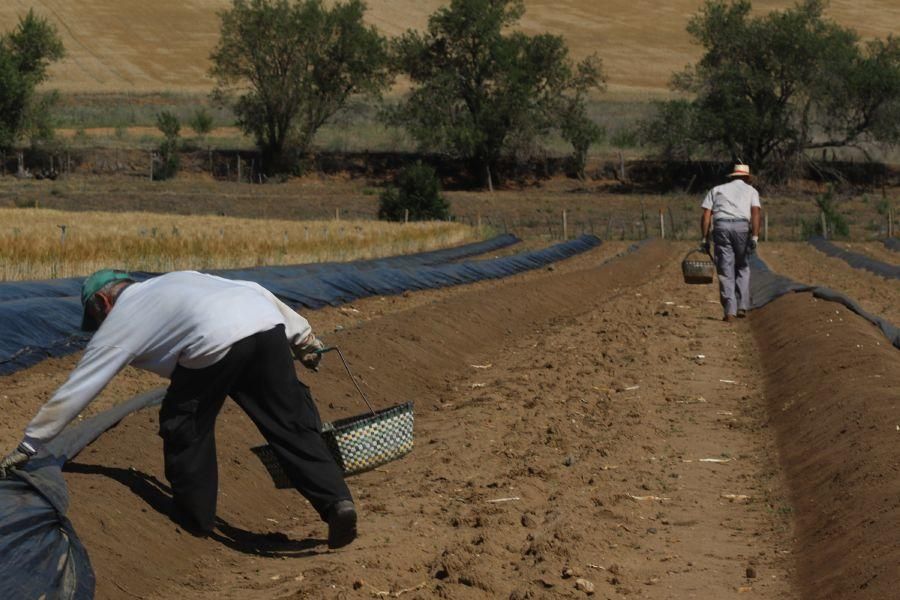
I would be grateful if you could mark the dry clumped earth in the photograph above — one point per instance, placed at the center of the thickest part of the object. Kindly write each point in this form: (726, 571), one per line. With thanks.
(592, 429)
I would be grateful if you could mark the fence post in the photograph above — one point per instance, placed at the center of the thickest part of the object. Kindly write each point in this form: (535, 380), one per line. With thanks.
(662, 225)
(824, 225)
(406, 215)
(565, 226)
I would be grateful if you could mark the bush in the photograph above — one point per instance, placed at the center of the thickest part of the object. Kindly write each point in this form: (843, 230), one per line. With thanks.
(169, 160)
(835, 221)
(201, 122)
(417, 190)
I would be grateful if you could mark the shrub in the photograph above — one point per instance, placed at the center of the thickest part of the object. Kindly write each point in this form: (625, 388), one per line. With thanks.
(169, 160)
(835, 221)
(417, 190)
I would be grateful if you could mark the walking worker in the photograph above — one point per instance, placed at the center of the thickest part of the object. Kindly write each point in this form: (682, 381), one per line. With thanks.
(732, 209)
(211, 337)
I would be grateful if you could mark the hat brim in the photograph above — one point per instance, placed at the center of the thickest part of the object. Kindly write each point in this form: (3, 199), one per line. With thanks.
(739, 174)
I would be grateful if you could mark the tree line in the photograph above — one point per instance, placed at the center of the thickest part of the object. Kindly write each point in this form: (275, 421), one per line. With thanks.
(768, 90)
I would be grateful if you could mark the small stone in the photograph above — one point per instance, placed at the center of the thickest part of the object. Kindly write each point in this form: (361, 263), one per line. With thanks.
(357, 584)
(338, 327)
(569, 461)
(751, 573)
(651, 530)
(585, 586)
(568, 573)
(528, 521)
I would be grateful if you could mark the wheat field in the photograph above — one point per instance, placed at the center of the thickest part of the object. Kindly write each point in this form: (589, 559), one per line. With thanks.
(41, 243)
(139, 46)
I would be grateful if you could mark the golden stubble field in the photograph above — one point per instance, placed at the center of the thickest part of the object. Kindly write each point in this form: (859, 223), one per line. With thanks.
(132, 45)
(45, 243)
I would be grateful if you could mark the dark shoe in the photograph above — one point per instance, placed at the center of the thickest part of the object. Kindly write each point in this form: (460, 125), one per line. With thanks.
(728, 318)
(741, 314)
(341, 524)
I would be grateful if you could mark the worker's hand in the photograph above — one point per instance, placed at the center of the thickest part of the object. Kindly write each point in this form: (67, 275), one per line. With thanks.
(309, 353)
(704, 245)
(752, 245)
(16, 458)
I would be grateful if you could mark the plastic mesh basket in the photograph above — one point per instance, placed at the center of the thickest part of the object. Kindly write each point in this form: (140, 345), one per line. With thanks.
(358, 443)
(698, 271)
(366, 441)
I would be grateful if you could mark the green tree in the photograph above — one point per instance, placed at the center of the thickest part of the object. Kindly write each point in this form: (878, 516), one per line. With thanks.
(416, 190)
(479, 91)
(201, 122)
(170, 159)
(293, 65)
(769, 88)
(25, 54)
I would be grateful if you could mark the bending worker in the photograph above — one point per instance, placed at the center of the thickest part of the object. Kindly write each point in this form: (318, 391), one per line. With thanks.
(733, 211)
(211, 337)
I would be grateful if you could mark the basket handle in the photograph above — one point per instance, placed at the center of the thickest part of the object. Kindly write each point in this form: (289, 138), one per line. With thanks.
(699, 251)
(352, 378)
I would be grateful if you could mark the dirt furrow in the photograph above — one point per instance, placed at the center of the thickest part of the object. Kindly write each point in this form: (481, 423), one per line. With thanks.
(569, 440)
(803, 263)
(832, 383)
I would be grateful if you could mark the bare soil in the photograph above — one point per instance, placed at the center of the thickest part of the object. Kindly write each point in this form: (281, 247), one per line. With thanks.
(592, 421)
(805, 264)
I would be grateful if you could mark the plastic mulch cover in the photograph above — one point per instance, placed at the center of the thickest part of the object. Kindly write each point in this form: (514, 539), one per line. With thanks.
(40, 554)
(858, 261)
(766, 286)
(41, 319)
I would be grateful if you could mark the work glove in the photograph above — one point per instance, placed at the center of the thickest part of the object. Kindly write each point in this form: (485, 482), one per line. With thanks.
(309, 353)
(752, 245)
(16, 458)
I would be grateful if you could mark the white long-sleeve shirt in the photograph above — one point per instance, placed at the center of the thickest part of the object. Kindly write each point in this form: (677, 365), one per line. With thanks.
(183, 318)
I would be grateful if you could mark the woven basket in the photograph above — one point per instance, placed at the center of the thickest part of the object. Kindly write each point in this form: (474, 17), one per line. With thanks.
(358, 443)
(366, 441)
(696, 271)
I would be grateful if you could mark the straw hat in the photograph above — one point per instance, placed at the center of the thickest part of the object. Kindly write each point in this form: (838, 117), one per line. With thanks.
(740, 170)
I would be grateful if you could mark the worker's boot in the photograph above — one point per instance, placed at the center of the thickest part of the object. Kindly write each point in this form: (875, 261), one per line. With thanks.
(341, 524)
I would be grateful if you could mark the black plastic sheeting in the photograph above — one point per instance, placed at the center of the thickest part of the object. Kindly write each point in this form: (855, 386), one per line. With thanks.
(892, 244)
(858, 261)
(40, 554)
(766, 286)
(41, 319)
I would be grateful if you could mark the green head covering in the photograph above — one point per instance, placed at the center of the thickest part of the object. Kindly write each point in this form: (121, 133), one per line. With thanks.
(91, 286)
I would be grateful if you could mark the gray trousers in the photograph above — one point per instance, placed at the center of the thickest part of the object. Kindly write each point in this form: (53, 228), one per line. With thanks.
(732, 263)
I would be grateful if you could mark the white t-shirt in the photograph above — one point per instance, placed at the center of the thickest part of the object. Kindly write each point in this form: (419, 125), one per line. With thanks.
(731, 200)
(183, 318)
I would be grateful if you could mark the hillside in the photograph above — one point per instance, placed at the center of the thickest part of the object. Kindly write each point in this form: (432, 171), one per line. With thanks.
(139, 46)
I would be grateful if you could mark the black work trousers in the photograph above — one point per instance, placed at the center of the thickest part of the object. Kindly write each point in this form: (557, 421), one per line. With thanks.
(258, 373)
